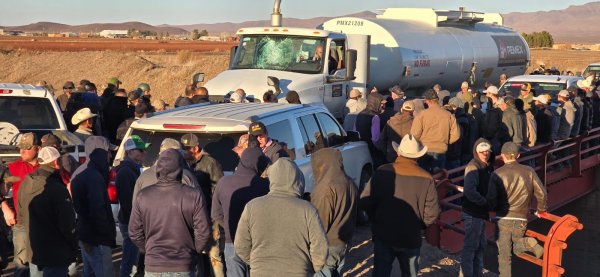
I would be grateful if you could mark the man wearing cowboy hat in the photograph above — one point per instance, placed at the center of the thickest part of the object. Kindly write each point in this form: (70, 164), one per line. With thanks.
(84, 120)
(401, 200)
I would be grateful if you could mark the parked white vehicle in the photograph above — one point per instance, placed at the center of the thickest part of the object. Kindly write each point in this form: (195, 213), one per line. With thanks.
(301, 128)
(28, 108)
(540, 84)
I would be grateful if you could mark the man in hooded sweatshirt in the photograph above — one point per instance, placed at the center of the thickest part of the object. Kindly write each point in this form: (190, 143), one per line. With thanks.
(368, 124)
(335, 196)
(401, 200)
(230, 197)
(46, 210)
(170, 235)
(475, 208)
(280, 234)
(95, 223)
(395, 129)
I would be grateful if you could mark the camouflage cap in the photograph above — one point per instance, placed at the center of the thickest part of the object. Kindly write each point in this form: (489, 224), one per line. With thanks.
(27, 141)
(51, 140)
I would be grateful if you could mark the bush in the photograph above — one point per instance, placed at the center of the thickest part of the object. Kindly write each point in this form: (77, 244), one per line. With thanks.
(539, 40)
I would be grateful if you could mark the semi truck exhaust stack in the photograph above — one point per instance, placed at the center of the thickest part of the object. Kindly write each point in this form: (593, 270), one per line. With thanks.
(276, 15)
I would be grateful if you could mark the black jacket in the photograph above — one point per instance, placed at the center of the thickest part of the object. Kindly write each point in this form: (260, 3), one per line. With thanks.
(51, 220)
(169, 221)
(127, 173)
(543, 120)
(183, 101)
(233, 192)
(477, 177)
(115, 112)
(493, 123)
(95, 223)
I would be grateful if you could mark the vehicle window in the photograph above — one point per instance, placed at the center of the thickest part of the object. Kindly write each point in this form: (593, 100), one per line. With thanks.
(28, 113)
(282, 132)
(218, 145)
(594, 68)
(537, 87)
(331, 130)
(278, 52)
(311, 134)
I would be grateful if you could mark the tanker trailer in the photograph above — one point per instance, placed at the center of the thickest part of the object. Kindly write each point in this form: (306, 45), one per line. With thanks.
(415, 48)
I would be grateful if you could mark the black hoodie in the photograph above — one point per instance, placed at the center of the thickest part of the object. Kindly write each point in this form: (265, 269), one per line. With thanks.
(169, 220)
(477, 178)
(95, 223)
(233, 192)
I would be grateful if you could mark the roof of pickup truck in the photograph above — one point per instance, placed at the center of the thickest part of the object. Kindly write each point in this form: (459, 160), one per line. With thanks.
(12, 89)
(543, 78)
(217, 117)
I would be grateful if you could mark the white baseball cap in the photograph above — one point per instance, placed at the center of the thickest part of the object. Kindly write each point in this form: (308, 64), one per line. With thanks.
(563, 93)
(48, 155)
(483, 147)
(543, 98)
(492, 90)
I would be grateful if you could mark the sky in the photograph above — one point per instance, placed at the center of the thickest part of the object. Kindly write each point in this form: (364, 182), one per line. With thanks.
(182, 12)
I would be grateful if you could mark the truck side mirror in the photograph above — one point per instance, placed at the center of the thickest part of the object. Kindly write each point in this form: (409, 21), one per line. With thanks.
(232, 55)
(351, 56)
(274, 82)
(197, 78)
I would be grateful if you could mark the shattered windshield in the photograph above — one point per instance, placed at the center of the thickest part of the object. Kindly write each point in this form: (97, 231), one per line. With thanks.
(285, 53)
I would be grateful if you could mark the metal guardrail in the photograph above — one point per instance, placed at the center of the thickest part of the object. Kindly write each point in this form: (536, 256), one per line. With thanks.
(563, 184)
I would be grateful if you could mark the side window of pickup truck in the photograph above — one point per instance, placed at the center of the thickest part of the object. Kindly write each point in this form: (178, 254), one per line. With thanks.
(331, 130)
(311, 133)
(282, 132)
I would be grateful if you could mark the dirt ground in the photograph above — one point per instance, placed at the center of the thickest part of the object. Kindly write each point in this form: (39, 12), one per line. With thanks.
(101, 44)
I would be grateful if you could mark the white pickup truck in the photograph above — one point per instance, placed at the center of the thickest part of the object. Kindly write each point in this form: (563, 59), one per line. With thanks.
(27, 108)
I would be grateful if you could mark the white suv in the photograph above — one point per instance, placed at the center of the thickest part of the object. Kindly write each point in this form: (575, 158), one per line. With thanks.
(540, 84)
(302, 128)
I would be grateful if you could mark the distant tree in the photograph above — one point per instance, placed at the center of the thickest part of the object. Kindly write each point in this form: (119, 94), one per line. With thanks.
(204, 33)
(132, 32)
(539, 39)
(167, 34)
(195, 34)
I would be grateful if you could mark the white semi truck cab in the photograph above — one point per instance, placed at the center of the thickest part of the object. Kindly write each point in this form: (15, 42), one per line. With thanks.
(413, 48)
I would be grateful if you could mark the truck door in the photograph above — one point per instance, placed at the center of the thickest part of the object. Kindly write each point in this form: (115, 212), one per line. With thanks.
(336, 92)
(360, 43)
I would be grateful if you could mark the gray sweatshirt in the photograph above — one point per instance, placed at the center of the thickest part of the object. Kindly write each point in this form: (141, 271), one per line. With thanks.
(280, 234)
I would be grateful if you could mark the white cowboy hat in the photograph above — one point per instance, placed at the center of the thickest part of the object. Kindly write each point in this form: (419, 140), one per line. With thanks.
(82, 115)
(410, 147)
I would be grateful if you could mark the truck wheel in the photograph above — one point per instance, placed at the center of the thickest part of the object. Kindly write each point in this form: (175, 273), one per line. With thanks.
(365, 176)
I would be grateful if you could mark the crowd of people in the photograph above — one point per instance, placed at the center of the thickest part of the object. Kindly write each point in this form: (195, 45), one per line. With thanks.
(183, 217)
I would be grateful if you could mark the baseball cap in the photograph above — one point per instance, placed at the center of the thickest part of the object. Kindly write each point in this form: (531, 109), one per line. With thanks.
(114, 81)
(483, 147)
(257, 129)
(51, 140)
(408, 106)
(48, 155)
(430, 94)
(526, 87)
(69, 85)
(355, 93)
(492, 90)
(563, 93)
(82, 115)
(510, 148)
(543, 98)
(27, 141)
(189, 140)
(169, 143)
(135, 142)
(94, 142)
(135, 94)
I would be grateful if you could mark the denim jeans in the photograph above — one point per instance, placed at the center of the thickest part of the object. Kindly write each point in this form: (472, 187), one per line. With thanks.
(234, 265)
(130, 252)
(97, 262)
(510, 238)
(19, 238)
(335, 262)
(471, 258)
(385, 256)
(168, 274)
(432, 161)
